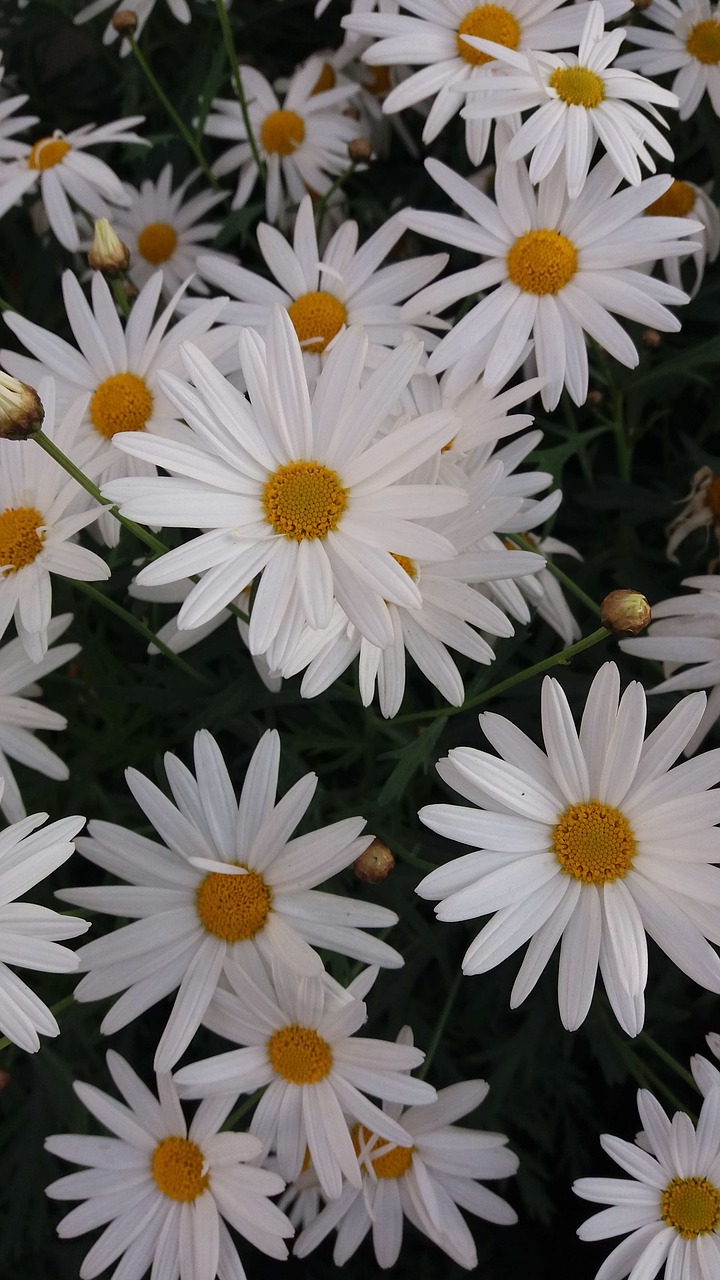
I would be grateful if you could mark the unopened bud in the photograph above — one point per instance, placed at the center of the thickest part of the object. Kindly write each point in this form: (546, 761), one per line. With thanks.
(125, 21)
(21, 409)
(375, 864)
(652, 339)
(360, 149)
(625, 612)
(107, 253)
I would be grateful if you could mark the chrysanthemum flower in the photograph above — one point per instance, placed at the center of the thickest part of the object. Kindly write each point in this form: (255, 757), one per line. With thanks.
(687, 200)
(162, 1191)
(41, 511)
(688, 42)
(63, 169)
(302, 1045)
(562, 269)
(228, 880)
(293, 488)
(302, 140)
(594, 841)
(142, 10)
(701, 510)
(575, 100)
(426, 1183)
(29, 934)
(324, 293)
(670, 1204)
(11, 124)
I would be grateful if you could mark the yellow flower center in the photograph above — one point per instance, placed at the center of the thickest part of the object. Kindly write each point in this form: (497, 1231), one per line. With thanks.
(691, 1206)
(594, 842)
(121, 403)
(489, 22)
(317, 317)
(299, 1055)
(157, 242)
(47, 152)
(392, 1163)
(676, 202)
(326, 80)
(703, 42)
(542, 262)
(233, 907)
(177, 1168)
(20, 541)
(304, 500)
(712, 495)
(281, 132)
(407, 564)
(378, 80)
(578, 87)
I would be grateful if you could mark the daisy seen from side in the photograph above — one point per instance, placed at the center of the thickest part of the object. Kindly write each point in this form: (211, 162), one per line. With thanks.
(687, 200)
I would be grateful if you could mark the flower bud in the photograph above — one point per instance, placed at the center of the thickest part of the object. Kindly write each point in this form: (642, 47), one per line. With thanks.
(125, 21)
(107, 253)
(21, 409)
(625, 612)
(375, 864)
(360, 149)
(652, 339)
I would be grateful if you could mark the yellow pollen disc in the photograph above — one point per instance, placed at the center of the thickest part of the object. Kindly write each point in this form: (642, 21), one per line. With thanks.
(299, 1055)
(489, 22)
(157, 242)
(392, 1163)
(712, 495)
(326, 80)
(233, 907)
(407, 564)
(578, 87)
(594, 843)
(281, 132)
(121, 403)
(20, 541)
(378, 80)
(317, 317)
(177, 1168)
(703, 42)
(691, 1206)
(304, 500)
(676, 202)
(47, 152)
(542, 262)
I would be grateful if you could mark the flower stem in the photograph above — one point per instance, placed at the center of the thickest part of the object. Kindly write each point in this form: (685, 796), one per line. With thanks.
(567, 582)
(5, 1041)
(668, 1059)
(152, 80)
(441, 1023)
(139, 626)
(335, 186)
(121, 297)
(238, 83)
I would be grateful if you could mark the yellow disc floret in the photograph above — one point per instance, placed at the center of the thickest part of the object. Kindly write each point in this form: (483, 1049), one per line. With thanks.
(392, 1162)
(712, 495)
(691, 1206)
(488, 22)
(122, 402)
(178, 1169)
(299, 1055)
(703, 42)
(407, 564)
(317, 317)
(326, 80)
(47, 152)
(20, 541)
(304, 500)
(578, 86)
(157, 242)
(677, 202)
(233, 907)
(282, 132)
(378, 81)
(542, 262)
(593, 842)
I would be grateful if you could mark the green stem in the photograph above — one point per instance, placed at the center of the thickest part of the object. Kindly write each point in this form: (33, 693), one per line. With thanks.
(441, 1023)
(5, 1042)
(167, 104)
(239, 89)
(528, 545)
(335, 186)
(5, 306)
(243, 1109)
(668, 1059)
(113, 607)
(121, 297)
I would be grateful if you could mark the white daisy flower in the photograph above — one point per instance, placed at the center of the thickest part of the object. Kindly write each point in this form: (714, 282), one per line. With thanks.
(451, 67)
(595, 841)
(301, 1043)
(705, 1073)
(293, 488)
(164, 1191)
(118, 365)
(562, 267)
(42, 510)
(21, 715)
(227, 881)
(29, 934)
(324, 293)
(164, 229)
(63, 169)
(670, 1204)
(142, 9)
(688, 42)
(701, 510)
(552, 606)
(424, 1183)
(687, 200)
(10, 123)
(575, 100)
(302, 140)
(685, 636)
